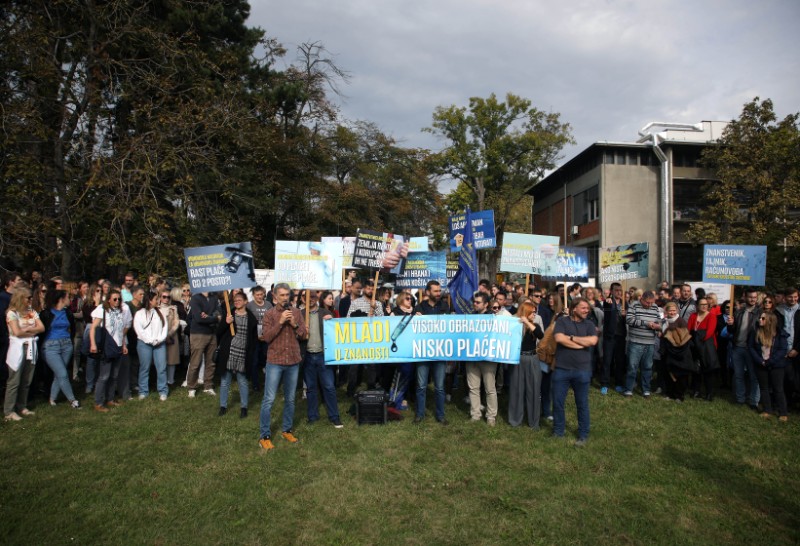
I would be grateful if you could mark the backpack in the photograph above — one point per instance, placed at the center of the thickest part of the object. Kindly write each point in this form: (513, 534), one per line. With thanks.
(546, 349)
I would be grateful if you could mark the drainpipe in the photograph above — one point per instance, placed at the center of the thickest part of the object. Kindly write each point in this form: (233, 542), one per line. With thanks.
(655, 140)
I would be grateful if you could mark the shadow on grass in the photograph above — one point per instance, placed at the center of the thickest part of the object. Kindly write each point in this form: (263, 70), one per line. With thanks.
(734, 486)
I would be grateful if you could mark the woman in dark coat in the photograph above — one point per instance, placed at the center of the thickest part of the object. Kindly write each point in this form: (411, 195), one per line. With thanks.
(768, 347)
(676, 353)
(235, 351)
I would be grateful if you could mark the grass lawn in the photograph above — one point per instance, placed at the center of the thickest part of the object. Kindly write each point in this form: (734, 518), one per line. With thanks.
(174, 473)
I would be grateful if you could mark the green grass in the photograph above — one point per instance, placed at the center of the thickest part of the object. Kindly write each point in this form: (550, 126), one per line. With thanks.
(175, 473)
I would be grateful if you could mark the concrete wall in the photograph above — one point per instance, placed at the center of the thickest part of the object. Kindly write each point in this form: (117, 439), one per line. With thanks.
(630, 205)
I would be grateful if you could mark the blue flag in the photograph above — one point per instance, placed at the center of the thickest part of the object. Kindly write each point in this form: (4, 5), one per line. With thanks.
(465, 282)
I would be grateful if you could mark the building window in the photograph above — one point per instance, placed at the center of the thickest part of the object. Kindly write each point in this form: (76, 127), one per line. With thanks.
(687, 262)
(586, 206)
(686, 194)
(609, 157)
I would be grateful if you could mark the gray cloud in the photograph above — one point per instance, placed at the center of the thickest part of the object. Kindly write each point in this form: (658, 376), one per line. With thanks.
(608, 67)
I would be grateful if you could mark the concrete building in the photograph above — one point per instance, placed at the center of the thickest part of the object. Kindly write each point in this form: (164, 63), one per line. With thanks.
(615, 193)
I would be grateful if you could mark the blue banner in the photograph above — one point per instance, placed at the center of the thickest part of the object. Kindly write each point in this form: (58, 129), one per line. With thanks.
(572, 265)
(465, 282)
(483, 233)
(735, 264)
(422, 267)
(422, 338)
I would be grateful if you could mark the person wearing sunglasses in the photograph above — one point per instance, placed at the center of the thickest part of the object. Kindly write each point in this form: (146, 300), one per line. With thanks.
(109, 327)
(768, 347)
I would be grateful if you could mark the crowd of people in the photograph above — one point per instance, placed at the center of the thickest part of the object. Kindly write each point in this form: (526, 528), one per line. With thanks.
(106, 340)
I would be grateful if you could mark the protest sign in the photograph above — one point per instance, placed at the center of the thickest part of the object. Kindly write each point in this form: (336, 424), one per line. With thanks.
(572, 265)
(452, 269)
(220, 267)
(348, 247)
(529, 254)
(418, 244)
(422, 338)
(739, 264)
(380, 251)
(624, 262)
(308, 264)
(483, 232)
(422, 267)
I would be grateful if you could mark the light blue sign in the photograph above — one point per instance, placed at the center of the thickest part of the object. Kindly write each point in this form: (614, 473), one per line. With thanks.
(529, 254)
(422, 338)
(735, 264)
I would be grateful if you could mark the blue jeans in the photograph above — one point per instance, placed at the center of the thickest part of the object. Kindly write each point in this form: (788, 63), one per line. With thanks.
(273, 375)
(257, 362)
(639, 354)
(225, 387)
(562, 380)
(742, 365)
(157, 356)
(91, 373)
(317, 373)
(58, 355)
(423, 370)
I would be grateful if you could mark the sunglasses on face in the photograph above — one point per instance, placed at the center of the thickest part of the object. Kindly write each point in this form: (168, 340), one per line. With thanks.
(164, 297)
(495, 308)
(537, 295)
(113, 299)
(762, 318)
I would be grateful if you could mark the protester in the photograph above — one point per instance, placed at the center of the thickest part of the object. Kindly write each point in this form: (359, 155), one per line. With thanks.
(768, 347)
(432, 305)
(93, 300)
(204, 317)
(283, 325)
(59, 330)
(676, 353)
(235, 352)
(482, 370)
(169, 306)
(524, 385)
(644, 323)
(317, 375)
(108, 342)
(740, 325)
(152, 329)
(575, 336)
(703, 327)
(614, 334)
(24, 325)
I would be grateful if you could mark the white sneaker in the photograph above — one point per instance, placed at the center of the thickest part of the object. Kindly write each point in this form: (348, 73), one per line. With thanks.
(142, 396)
(192, 393)
(184, 384)
(447, 398)
(163, 397)
(210, 391)
(13, 416)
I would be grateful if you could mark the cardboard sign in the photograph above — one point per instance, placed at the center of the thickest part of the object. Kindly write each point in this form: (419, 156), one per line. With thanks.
(624, 262)
(220, 267)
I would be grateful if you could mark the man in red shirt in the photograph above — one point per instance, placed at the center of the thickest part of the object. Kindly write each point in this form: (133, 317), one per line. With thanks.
(283, 328)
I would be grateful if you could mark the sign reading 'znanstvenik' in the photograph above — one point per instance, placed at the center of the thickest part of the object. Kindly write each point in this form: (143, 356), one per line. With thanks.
(741, 264)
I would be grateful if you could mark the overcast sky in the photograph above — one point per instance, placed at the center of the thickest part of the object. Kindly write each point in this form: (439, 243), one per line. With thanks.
(609, 67)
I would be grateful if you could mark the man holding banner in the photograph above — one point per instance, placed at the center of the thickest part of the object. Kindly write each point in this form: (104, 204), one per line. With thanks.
(432, 305)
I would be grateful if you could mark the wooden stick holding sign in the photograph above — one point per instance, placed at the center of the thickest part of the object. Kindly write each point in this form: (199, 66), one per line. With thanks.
(308, 304)
(566, 305)
(527, 283)
(374, 292)
(228, 310)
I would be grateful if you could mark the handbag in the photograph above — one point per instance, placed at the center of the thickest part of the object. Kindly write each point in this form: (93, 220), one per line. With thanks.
(99, 338)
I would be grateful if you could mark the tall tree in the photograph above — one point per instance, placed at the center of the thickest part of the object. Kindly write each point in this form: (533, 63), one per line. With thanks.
(756, 197)
(499, 150)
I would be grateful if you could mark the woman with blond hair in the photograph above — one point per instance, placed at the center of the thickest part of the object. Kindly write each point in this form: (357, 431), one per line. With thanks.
(24, 325)
(768, 347)
(525, 379)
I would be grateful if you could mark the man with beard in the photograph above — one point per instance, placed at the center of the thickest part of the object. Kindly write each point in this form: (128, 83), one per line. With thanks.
(432, 305)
